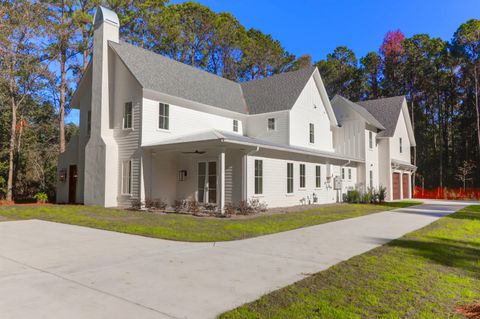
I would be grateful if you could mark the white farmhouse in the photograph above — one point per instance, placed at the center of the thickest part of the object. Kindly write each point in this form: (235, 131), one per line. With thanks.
(151, 127)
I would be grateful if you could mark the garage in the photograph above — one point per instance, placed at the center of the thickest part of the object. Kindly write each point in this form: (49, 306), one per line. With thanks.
(396, 186)
(405, 186)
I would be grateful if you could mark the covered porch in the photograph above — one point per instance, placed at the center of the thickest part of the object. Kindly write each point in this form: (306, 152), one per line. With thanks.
(402, 179)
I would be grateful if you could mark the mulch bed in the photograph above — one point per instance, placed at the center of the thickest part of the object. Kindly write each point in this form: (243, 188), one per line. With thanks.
(470, 311)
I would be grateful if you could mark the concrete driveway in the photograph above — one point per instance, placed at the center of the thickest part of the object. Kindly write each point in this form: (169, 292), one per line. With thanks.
(50, 270)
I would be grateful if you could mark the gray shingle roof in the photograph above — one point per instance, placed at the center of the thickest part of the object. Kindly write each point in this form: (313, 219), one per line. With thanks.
(162, 74)
(275, 93)
(369, 118)
(386, 111)
(159, 73)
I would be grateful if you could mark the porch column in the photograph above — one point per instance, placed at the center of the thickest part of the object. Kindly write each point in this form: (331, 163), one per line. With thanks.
(221, 181)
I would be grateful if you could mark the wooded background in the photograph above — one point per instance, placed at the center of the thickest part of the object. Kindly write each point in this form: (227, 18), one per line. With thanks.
(45, 46)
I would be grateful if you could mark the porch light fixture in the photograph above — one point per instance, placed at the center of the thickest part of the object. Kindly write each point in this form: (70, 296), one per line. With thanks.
(62, 176)
(182, 175)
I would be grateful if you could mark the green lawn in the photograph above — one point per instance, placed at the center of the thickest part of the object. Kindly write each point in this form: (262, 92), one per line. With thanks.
(188, 228)
(424, 274)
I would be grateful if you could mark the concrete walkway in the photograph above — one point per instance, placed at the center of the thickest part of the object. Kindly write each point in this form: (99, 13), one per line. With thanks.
(50, 270)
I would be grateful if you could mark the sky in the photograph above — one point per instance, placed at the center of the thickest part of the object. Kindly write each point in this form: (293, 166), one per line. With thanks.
(318, 27)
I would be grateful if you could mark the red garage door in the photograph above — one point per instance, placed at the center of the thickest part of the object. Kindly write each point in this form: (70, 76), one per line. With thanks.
(396, 185)
(406, 182)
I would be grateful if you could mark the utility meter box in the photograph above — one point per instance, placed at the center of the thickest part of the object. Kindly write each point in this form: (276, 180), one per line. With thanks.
(337, 183)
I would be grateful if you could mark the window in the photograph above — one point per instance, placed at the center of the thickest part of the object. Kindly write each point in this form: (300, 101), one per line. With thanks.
(127, 115)
(370, 139)
(289, 178)
(401, 149)
(127, 177)
(302, 175)
(343, 173)
(163, 116)
(349, 173)
(271, 124)
(258, 177)
(89, 122)
(371, 179)
(318, 176)
(312, 133)
(235, 125)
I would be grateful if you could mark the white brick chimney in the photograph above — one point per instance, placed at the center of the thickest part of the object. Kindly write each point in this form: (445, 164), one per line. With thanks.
(101, 152)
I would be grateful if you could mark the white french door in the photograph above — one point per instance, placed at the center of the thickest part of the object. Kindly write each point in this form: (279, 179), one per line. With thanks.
(207, 182)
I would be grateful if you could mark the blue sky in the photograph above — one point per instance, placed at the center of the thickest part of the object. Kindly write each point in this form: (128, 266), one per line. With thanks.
(318, 27)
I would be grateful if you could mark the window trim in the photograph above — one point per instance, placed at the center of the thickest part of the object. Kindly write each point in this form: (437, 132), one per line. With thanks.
(312, 133)
(167, 117)
(125, 116)
(235, 126)
(302, 176)
(290, 180)
(318, 176)
(274, 122)
(258, 178)
(124, 178)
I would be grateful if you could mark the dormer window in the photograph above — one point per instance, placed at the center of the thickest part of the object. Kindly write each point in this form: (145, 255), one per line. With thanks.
(271, 124)
(400, 143)
(235, 125)
(127, 115)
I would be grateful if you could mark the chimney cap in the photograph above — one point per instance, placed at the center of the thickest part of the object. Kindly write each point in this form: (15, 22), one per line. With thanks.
(105, 15)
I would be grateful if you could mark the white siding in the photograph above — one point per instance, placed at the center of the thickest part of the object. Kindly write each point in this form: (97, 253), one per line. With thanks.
(183, 121)
(400, 132)
(257, 127)
(309, 108)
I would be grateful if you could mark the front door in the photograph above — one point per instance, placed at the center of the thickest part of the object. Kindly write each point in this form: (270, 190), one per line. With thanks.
(72, 184)
(207, 182)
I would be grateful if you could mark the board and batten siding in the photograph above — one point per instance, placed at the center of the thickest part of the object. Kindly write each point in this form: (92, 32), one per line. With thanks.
(400, 132)
(275, 182)
(127, 89)
(309, 108)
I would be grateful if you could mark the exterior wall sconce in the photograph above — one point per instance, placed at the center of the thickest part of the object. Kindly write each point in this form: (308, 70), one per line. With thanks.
(182, 175)
(62, 175)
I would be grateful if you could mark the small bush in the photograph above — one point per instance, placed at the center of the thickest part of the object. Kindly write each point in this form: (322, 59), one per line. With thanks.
(41, 197)
(135, 204)
(382, 194)
(353, 196)
(193, 206)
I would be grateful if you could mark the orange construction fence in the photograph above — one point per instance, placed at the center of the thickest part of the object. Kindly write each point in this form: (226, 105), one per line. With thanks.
(447, 193)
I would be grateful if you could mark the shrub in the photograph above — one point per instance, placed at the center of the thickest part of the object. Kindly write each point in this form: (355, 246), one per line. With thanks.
(230, 209)
(180, 206)
(382, 194)
(193, 206)
(257, 206)
(135, 204)
(353, 196)
(244, 208)
(41, 197)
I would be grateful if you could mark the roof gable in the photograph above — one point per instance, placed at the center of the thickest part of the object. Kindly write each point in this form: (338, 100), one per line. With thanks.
(275, 93)
(386, 111)
(339, 101)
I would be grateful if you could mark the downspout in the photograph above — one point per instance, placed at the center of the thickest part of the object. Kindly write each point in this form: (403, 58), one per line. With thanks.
(245, 172)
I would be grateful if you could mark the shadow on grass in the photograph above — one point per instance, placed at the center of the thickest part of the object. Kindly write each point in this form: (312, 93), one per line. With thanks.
(459, 254)
(466, 214)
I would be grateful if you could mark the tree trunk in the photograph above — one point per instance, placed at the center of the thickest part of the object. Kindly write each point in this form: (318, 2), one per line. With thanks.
(61, 118)
(476, 106)
(85, 49)
(11, 149)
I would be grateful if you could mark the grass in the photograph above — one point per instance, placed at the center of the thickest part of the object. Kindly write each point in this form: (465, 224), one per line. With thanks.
(425, 274)
(189, 228)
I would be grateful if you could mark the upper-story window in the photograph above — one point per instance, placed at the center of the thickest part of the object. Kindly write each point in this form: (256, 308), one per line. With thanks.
(343, 173)
(235, 125)
(401, 146)
(302, 175)
(370, 139)
(312, 133)
(89, 122)
(271, 124)
(128, 115)
(164, 116)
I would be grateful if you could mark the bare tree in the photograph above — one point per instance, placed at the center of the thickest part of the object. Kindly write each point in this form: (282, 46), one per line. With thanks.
(465, 172)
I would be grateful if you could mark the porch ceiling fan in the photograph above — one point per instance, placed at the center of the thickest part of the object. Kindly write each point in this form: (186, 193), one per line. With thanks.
(195, 152)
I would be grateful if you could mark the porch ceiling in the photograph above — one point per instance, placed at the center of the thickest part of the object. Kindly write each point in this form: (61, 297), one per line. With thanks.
(397, 164)
(215, 138)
